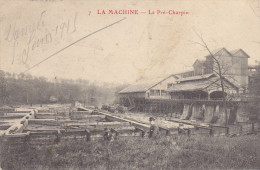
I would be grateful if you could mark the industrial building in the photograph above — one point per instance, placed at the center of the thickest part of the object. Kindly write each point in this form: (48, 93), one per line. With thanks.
(195, 89)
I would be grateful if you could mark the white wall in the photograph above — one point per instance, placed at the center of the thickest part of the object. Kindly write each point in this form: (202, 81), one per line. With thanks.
(160, 89)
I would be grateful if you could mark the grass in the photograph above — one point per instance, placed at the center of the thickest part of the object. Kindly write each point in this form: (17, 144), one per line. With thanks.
(178, 152)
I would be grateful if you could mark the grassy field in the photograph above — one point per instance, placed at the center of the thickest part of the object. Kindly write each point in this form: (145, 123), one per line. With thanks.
(179, 152)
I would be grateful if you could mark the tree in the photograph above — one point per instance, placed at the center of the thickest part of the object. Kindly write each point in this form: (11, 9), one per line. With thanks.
(26, 89)
(254, 79)
(254, 91)
(3, 87)
(219, 68)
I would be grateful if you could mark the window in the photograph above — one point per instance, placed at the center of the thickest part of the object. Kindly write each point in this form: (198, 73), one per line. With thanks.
(157, 93)
(164, 93)
(152, 93)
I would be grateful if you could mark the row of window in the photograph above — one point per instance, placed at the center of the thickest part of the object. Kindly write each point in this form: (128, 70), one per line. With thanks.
(157, 93)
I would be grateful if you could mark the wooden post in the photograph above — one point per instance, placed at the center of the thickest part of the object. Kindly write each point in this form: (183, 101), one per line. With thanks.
(227, 131)
(27, 138)
(144, 106)
(253, 127)
(241, 129)
(57, 137)
(143, 133)
(189, 132)
(167, 132)
(88, 135)
(179, 131)
(211, 132)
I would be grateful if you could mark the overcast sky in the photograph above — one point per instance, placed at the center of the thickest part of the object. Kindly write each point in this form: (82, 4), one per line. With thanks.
(142, 45)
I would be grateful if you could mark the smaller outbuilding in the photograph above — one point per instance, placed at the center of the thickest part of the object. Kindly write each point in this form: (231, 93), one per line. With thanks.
(155, 88)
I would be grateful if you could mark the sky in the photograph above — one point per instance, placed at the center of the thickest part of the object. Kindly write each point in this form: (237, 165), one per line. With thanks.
(69, 39)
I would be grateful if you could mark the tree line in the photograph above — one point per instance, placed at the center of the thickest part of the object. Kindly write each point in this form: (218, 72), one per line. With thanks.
(27, 89)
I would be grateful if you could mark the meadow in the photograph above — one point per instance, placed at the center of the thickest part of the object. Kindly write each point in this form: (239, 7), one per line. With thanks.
(168, 152)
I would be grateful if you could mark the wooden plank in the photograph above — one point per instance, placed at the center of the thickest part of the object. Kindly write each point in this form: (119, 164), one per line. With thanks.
(90, 117)
(45, 116)
(44, 121)
(134, 123)
(17, 135)
(127, 128)
(90, 112)
(43, 133)
(17, 127)
(5, 126)
(15, 114)
(11, 117)
(46, 113)
(196, 124)
(96, 124)
(40, 130)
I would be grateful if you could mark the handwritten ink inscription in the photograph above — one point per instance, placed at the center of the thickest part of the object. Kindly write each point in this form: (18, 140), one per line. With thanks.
(26, 40)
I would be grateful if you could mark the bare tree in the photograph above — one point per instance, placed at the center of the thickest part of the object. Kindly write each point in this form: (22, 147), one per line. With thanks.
(219, 68)
(3, 87)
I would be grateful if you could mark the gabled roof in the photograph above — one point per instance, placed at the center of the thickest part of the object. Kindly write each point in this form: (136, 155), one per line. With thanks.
(239, 53)
(220, 51)
(236, 53)
(224, 52)
(201, 62)
(145, 84)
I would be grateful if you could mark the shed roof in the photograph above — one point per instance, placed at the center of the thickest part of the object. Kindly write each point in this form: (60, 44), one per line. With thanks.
(180, 74)
(189, 86)
(201, 82)
(204, 76)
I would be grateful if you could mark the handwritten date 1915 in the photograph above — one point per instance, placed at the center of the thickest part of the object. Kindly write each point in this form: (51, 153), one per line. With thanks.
(27, 39)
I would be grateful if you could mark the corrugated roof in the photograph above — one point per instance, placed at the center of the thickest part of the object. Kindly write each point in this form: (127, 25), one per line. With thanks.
(205, 76)
(190, 86)
(144, 84)
(197, 83)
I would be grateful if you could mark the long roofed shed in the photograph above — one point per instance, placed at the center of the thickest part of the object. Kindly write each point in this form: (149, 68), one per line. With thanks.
(201, 82)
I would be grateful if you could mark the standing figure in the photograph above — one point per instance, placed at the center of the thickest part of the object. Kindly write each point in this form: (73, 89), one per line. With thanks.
(154, 130)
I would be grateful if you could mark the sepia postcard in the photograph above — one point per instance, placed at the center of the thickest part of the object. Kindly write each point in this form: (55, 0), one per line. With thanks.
(128, 84)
